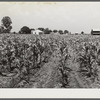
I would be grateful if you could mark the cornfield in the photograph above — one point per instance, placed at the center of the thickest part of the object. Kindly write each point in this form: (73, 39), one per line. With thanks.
(49, 61)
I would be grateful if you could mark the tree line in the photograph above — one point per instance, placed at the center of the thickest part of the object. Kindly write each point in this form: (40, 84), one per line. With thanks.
(6, 26)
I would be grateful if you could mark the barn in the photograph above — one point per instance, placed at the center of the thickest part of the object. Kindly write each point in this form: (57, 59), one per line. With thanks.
(95, 32)
(37, 32)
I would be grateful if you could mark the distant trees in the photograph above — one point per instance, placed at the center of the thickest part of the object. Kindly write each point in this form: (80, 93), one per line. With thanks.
(6, 25)
(66, 31)
(50, 31)
(82, 32)
(6, 28)
(41, 29)
(25, 30)
(14, 32)
(60, 31)
(55, 31)
(47, 31)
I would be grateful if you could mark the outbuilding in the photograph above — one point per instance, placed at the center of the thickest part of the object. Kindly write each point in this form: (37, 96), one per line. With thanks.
(37, 32)
(95, 32)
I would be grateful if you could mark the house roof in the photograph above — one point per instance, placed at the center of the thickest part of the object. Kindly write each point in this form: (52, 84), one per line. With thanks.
(96, 29)
(37, 31)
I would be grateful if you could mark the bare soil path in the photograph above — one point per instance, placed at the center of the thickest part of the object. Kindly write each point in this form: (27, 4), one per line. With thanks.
(48, 76)
(76, 80)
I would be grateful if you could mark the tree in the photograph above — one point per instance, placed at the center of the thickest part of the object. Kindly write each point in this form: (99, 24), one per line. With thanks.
(66, 32)
(46, 31)
(25, 30)
(14, 32)
(41, 29)
(92, 32)
(50, 31)
(55, 31)
(32, 29)
(60, 31)
(82, 32)
(1, 29)
(6, 24)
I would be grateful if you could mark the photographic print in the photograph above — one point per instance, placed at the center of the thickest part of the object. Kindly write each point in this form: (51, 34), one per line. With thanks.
(50, 45)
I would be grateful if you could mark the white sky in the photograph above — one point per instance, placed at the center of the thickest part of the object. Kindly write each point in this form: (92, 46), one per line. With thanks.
(73, 16)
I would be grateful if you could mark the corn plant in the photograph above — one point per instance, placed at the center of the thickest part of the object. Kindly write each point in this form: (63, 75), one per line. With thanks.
(87, 59)
(16, 53)
(64, 56)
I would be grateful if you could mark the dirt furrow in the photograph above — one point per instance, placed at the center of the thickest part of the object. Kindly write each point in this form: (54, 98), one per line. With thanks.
(48, 76)
(75, 80)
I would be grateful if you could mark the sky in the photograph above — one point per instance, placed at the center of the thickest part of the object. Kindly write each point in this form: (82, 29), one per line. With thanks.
(71, 16)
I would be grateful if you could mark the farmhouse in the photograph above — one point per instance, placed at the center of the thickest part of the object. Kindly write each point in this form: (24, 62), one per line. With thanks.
(37, 32)
(95, 32)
